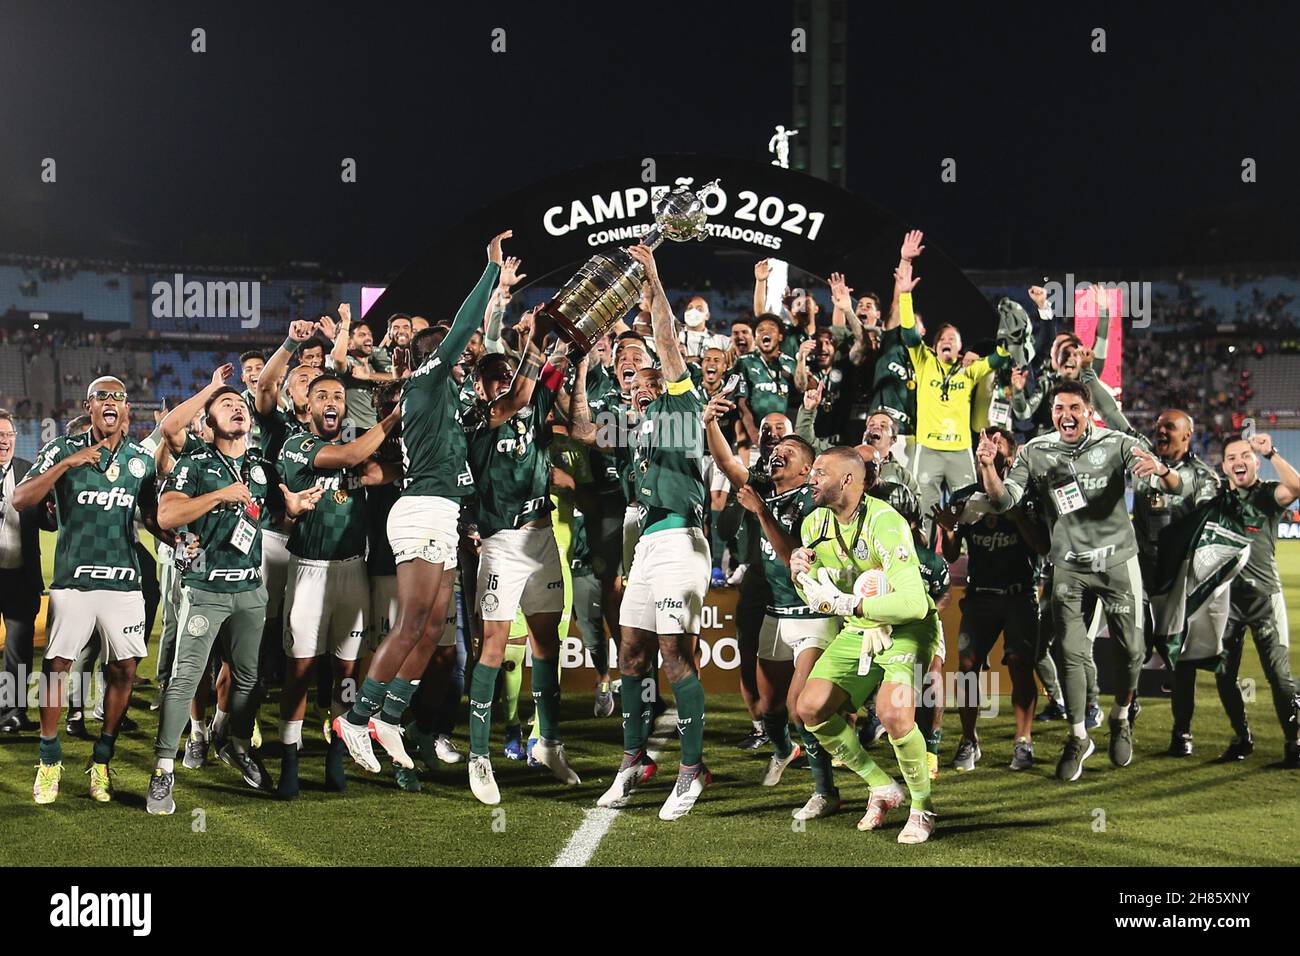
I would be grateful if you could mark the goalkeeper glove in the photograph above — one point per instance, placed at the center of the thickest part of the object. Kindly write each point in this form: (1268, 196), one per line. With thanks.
(825, 597)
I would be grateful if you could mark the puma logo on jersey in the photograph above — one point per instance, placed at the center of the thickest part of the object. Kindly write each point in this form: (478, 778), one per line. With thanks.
(104, 572)
(107, 500)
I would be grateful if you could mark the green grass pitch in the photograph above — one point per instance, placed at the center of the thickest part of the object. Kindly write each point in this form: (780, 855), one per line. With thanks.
(1158, 811)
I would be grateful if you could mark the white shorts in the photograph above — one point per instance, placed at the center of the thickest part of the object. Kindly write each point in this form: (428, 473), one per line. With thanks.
(119, 616)
(520, 569)
(275, 569)
(384, 607)
(424, 527)
(670, 576)
(326, 607)
(631, 535)
(785, 638)
(713, 475)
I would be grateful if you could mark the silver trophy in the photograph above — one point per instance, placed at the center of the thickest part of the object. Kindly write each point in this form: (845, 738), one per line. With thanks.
(608, 285)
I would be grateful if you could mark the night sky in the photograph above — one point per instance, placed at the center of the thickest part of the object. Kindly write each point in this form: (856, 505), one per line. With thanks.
(1066, 158)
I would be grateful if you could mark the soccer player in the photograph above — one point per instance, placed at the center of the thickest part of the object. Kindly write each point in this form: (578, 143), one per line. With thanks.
(852, 544)
(251, 364)
(1155, 509)
(664, 594)
(1001, 599)
(945, 380)
(894, 380)
(766, 377)
(1257, 599)
(793, 636)
(422, 528)
(98, 480)
(1079, 470)
(327, 601)
(519, 562)
(223, 493)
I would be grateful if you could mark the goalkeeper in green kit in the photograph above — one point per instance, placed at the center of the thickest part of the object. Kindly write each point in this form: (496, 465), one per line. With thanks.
(858, 562)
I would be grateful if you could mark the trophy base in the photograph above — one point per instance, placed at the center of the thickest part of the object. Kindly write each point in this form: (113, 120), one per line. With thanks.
(550, 318)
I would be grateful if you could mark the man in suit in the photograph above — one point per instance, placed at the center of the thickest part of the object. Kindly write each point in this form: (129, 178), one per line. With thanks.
(20, 584)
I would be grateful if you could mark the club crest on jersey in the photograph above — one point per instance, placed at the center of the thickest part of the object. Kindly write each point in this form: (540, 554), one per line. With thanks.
(1096, 456)
(257, 474)
(197, 626)
(136, 467)
(902, 552)
(861, 551)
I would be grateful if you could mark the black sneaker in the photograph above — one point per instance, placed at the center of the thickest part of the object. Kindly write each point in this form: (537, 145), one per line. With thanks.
(17, 722)
(1077, 750)
(753, 741)
(76, 726)
(127, 725)
(248, 763)
(1134, 709)
(870, 730)
(1121, 742)
(1054, 710)
(1239, 749)
(1180, 745)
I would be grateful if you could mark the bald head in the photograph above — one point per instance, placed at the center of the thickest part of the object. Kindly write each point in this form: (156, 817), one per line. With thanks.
(1173, 434)
(774, 427)
(838, 478)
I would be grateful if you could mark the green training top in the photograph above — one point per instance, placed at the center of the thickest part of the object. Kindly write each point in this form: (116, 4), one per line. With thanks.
(336, 528)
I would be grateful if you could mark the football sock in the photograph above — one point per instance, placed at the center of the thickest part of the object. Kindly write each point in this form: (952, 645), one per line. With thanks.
(291, 734)
(758, 725)
(512, 681)
(397, 697)
(219, 720)
(637, 714)
(369, 700)
(777, 728)
(546, 696)
(51, 750)
(1119, 711)
(820, 762)
(104, 747)
(910, 751)
(286, 788)
(336, 777)
(482, 688)
(198, 730)
(165, 764)
(1079, 729)
(932, 739)
(689, 694)
(841, 741)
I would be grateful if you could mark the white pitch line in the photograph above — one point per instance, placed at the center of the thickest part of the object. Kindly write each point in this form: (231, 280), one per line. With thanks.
(597, 820)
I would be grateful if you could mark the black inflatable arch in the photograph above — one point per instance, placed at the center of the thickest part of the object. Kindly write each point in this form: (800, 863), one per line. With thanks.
(762, 209)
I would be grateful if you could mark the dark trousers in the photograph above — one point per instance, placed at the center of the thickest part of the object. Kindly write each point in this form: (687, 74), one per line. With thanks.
(20, 601)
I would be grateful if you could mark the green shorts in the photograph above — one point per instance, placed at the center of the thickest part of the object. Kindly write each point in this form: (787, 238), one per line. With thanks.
(903, 662)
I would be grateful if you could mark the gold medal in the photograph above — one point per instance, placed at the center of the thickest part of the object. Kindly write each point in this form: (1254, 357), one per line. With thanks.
(340, 497)
(112, 471)
(911, 385)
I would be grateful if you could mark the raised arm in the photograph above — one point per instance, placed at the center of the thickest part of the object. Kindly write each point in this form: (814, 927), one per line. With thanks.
(267, 398)
(661, 317)
(721, 452)
(522, 387)
(353, 453)
(339, 354)
(470, 314)
(176, 423)
(581, 427)
(761, 270)
(1288, 489)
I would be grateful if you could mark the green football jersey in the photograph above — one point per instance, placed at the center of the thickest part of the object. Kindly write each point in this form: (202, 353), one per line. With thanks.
(666, 445)
(220, 565)
(934, 572)
(789, 508)
(433, 440)
(894, 388)
(274, 429)
(96, 507)
(336, 528)
(510, 464)
(876, 538)
(1154, 509)
(767, 385)
(605, 400)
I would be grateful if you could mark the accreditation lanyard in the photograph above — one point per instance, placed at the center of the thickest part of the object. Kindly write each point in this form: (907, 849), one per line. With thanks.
(946, 384)
(846, 550)
(245, 532)
(773, 377)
